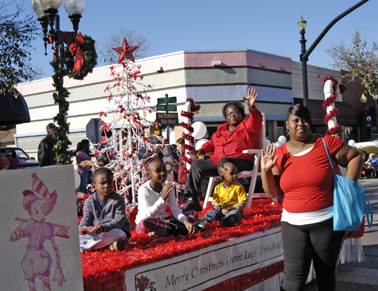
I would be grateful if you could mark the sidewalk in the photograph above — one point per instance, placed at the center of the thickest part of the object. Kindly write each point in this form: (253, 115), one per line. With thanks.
(362, 276)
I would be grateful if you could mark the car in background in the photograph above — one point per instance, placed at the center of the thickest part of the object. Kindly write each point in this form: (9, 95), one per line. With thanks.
(25, 160)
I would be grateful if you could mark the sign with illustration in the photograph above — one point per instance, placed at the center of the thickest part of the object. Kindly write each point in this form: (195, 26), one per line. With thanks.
(39, 241)
(207, 267)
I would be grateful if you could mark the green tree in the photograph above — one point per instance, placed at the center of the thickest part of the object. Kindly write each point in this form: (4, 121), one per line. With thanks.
(360, 61)
(16, 32)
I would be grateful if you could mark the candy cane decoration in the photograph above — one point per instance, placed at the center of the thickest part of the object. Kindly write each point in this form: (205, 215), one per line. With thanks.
(188, 112)
(331, 90)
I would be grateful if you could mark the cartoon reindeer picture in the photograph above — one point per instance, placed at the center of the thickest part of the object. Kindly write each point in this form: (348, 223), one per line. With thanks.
(39, 203)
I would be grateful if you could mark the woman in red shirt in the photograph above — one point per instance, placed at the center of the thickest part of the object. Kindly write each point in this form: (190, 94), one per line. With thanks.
(300, 170)
(226, 144)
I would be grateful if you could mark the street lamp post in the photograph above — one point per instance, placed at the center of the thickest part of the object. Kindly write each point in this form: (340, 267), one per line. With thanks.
(302, 30)
(306, 53)
(47, 13)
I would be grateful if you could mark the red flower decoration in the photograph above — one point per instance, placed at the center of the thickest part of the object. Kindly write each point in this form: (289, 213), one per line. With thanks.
(142, 283)
(125, 51)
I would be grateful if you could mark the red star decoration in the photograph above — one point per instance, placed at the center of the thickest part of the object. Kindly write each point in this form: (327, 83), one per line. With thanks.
(125, 51)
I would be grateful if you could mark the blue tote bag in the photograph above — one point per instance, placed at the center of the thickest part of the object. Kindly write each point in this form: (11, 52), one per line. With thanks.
(349, 202)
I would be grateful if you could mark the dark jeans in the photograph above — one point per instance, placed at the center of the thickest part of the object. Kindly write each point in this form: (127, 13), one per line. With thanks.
(318, 242)
(85, 179)
(205, 168)
(216, 214)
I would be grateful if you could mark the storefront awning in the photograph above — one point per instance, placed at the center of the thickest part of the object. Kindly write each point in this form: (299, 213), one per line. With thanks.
(13, 109)
(347, 114)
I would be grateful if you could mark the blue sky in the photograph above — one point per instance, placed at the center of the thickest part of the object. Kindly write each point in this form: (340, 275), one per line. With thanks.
(269, 25)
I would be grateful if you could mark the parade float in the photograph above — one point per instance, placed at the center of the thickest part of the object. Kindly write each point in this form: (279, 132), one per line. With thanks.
(249, 254)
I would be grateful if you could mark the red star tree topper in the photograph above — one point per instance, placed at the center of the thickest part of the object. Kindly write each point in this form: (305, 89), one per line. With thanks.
(125, 51)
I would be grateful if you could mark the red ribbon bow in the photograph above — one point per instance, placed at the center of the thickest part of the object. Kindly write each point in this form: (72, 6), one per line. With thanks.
(75, 50)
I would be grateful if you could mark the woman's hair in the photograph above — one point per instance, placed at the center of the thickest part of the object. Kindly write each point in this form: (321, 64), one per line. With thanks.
(85, 142)
(300, 111)
(235, 104)
(79, 146)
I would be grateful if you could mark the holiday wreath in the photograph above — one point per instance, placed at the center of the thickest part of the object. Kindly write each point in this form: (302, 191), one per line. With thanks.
(79, 55)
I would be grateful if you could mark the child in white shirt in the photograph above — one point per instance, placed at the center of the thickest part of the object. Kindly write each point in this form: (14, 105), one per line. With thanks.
(152, 199)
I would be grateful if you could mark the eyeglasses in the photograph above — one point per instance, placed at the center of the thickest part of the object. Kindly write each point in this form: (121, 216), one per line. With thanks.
(233, 113)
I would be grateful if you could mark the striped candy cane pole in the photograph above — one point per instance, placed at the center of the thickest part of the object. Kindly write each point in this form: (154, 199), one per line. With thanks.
(187, 113)
(331, 90)
(187, 116)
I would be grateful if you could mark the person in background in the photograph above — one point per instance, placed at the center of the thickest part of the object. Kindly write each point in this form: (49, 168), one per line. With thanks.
(46, 154)
(180, 168)
(104, 222)
(226, 144)
(83, 154)
(229, 199)
(14, 162)
(4, 163)
(300, 169)
(369, 168)
(174, 158)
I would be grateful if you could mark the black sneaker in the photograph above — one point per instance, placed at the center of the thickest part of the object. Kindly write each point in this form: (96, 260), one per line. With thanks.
(229, 220)
(200, 223)
(192, 204)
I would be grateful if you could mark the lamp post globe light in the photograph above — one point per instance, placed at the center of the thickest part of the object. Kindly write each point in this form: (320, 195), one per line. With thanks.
(363, 118)
(302, 30)
(47, 13)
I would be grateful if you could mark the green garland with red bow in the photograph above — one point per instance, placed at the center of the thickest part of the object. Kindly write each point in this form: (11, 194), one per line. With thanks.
(79, 59)
(79, 55)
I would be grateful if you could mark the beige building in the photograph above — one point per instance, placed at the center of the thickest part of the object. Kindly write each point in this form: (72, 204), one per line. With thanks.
(209, 78)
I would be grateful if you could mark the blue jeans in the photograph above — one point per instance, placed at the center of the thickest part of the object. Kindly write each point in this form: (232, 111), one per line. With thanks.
(216, 214)
(84, 181)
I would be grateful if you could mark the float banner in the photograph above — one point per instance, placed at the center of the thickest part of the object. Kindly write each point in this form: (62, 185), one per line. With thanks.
(207, 267)
(39, 245)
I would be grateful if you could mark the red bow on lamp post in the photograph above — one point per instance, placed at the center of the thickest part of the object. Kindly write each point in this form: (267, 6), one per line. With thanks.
(76, 51)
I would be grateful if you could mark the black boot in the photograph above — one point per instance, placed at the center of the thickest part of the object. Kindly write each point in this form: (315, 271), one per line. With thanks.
(200, 223)
(192, 204)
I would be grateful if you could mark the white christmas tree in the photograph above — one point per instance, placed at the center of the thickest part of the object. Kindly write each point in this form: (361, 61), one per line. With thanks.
(127, 114)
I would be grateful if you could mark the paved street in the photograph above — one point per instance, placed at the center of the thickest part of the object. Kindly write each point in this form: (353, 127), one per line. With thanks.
(362, 276)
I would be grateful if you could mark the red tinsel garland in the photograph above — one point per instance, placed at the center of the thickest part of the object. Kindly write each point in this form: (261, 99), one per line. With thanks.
(188, 127)
(333, 113)
(250, 279)
(334, 130)
(188, 137)
(187, 114)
